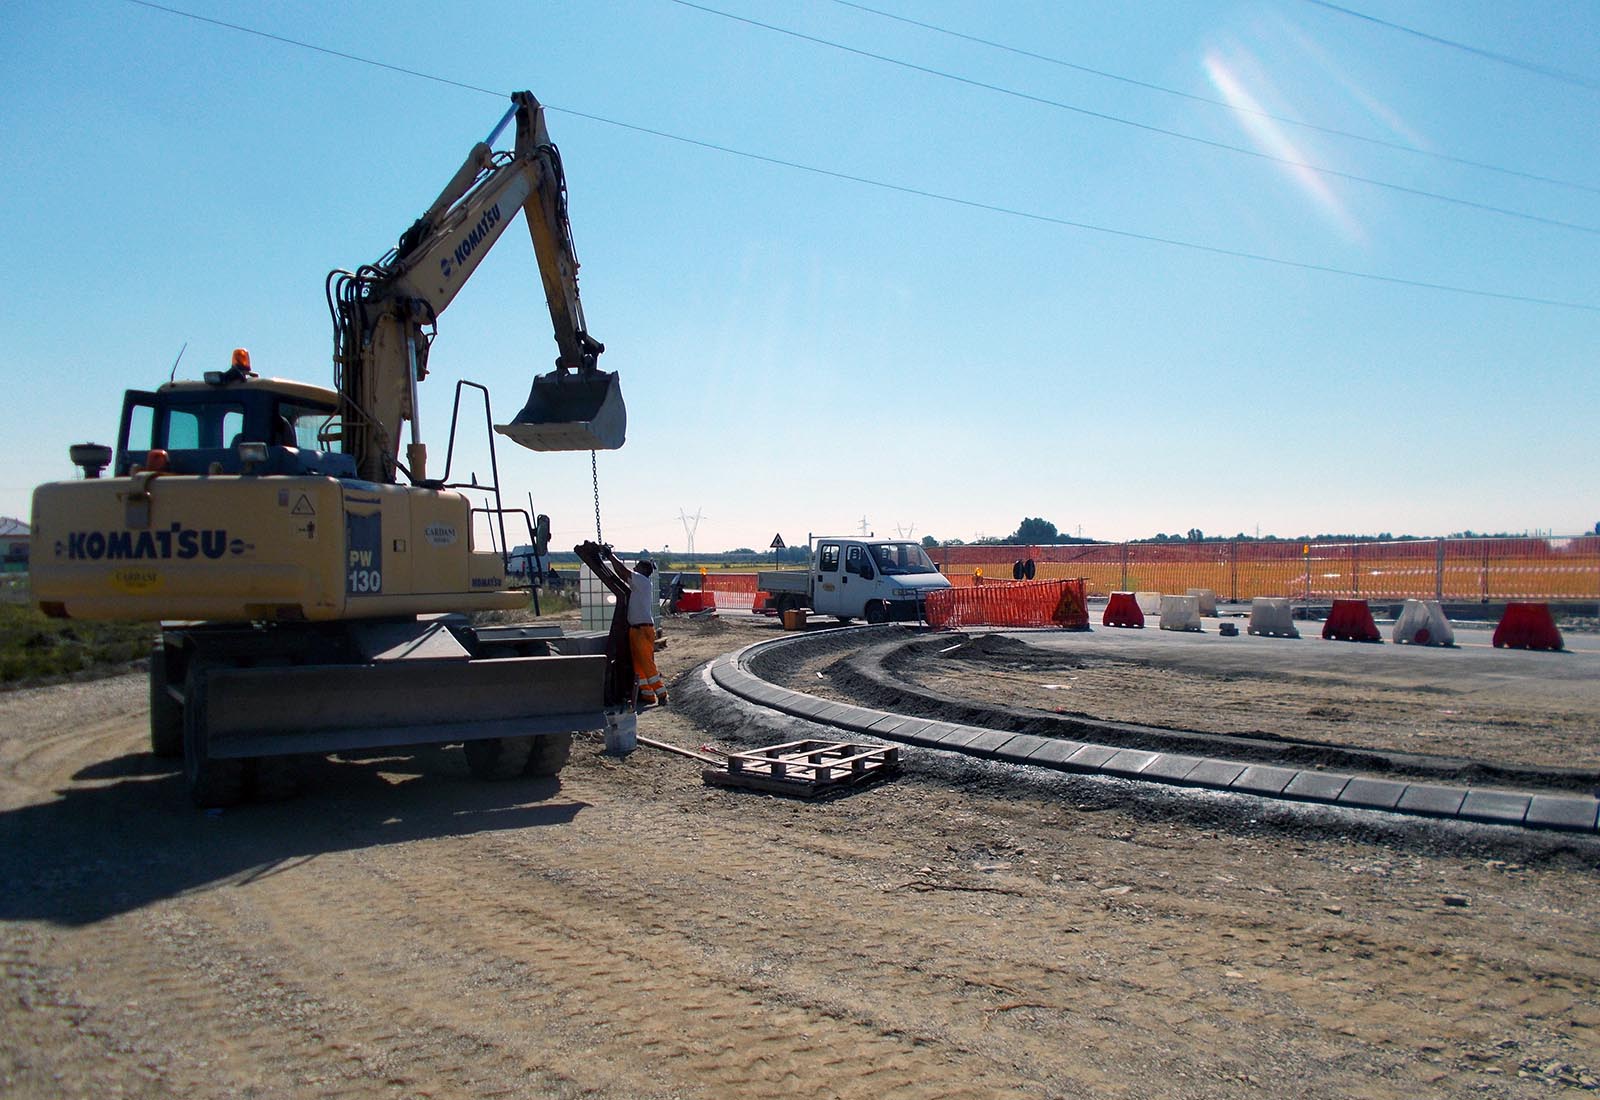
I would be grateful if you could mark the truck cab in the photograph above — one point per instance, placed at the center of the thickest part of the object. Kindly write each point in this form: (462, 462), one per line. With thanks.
(879, 580)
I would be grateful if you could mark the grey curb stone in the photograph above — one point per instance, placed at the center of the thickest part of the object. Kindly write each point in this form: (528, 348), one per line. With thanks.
(1544, 811)
(988, 742)
(1559, 812)
(956, 737)
(939, 734)
(1054, 751)
(1214, 773)
(1090, 758)
(1372, 794)
(1019, 748)
(1317, 786)
(806, 706)
(1263, 779)
(890, 725)
(917, 732)
(1171, 767)
(1129, 762)
(1432, 799)
(1495, 807)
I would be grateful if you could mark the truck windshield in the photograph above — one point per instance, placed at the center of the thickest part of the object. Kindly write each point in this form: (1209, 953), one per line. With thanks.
(901, 558)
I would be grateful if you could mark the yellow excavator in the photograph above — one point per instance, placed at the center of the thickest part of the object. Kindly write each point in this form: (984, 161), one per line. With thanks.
(315, 589)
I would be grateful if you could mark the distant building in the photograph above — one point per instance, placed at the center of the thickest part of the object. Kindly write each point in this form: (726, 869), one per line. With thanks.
(14, 539)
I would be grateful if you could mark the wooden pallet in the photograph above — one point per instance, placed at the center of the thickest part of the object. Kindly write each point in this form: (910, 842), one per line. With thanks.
(806, 768)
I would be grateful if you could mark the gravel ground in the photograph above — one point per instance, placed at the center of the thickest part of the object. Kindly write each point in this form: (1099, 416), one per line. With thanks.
(964, 930)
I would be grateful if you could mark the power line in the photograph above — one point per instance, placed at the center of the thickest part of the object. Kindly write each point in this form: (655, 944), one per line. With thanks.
(920, 192)
(1146, 127)
(318, 49)
(1164, 90)
(1237, 254)
(1477, 51)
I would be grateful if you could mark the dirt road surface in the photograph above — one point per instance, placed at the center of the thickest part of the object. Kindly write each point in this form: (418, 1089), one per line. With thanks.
(966, 930)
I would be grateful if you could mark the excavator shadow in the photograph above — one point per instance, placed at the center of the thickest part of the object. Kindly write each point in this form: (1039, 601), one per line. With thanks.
(104, 848)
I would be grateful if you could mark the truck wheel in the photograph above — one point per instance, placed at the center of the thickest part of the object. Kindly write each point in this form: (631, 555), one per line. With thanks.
(275, 778)
(212, 783)
(549, 754)
(166, 714)
(877, 612)
(498, 757)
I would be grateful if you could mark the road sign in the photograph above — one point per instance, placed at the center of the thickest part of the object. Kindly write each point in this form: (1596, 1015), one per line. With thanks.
(777, 543)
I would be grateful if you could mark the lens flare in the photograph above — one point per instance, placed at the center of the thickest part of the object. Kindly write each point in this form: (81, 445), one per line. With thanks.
(1270, 137)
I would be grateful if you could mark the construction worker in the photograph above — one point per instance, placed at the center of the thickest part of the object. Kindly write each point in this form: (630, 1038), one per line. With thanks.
(642, 634)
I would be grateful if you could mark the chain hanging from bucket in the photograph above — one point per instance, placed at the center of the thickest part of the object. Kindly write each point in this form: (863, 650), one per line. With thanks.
(594, 478)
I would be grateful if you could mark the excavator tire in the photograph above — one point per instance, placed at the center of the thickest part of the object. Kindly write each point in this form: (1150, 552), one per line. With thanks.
(498, 757)
(275, 778)
(549, 754)
(212, 783)
(166, 715)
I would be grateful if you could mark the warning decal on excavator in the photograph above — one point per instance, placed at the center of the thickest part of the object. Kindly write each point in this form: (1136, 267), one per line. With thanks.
(303, 507)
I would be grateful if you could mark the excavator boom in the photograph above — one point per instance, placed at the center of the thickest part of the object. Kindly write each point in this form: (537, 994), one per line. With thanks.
(382, 311)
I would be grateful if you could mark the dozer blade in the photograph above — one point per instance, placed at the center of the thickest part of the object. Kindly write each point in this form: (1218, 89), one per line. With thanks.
(571, 411)
(272, 711)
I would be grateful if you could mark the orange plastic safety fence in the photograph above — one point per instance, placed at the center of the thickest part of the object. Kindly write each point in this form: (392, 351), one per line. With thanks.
(1441, 569)
(1010, 603)
(727, 582)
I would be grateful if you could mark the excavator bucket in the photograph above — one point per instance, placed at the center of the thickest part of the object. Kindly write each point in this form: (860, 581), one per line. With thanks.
(579, 410)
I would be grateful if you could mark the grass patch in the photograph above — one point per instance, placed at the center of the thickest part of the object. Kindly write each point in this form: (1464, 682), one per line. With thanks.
(33, 647)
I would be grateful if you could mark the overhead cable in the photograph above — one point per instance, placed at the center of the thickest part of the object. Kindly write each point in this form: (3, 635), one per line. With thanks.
(1146, 127)
(1385, 143)
(903, 189)
(1490, 55)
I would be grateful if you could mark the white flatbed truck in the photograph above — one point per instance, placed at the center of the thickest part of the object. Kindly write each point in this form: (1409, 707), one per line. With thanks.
(879, 580)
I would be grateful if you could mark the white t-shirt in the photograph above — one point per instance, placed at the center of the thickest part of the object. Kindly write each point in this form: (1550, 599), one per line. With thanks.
(641, 599)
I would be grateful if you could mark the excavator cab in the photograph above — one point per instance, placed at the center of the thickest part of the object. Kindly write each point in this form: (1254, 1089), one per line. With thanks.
(571, 410)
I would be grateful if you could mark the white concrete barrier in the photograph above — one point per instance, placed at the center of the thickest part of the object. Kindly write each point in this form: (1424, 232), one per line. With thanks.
(1180, 613)
(1272, 617)
(1149, 602)
(1422, 622)
(1208, 600)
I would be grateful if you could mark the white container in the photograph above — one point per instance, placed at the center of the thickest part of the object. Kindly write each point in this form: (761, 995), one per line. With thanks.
(1273, 617)
(1180, 613)
(1208, 601)
(622, 733)
(1422, 622)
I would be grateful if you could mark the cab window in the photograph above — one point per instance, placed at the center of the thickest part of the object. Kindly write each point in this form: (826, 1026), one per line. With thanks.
(302, 424)
(856, 561)
(829, 557)
(141, 427)
(183, 430)
(202, 427)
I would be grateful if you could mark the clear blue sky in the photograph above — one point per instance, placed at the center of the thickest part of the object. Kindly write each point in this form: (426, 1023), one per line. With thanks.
(800, 351)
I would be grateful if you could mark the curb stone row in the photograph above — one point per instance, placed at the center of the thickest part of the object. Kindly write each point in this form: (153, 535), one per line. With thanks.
(1570, 813)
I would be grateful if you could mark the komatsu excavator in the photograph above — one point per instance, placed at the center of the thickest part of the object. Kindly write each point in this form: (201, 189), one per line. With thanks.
(314, 588)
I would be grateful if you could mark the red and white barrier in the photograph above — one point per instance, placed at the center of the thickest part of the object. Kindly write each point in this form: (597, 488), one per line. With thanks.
(1123, 610)
(1528, 626)
(1351, 621)
(1422, 622)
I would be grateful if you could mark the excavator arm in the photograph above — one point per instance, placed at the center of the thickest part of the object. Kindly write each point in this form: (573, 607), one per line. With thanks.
(384, 313)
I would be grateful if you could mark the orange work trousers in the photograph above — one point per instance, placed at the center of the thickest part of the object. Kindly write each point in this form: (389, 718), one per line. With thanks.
(646, 678)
